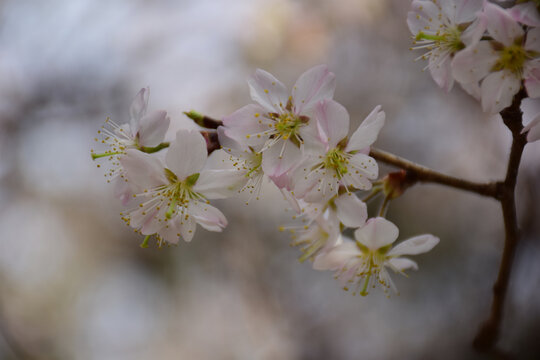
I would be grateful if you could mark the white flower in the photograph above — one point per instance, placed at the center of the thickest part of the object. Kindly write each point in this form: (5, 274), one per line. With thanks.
(338, 160)
(174, 198)
(143, 132)
(531, 118)
(362, 263)
(444, 28)
(501, 64)
(279, 123)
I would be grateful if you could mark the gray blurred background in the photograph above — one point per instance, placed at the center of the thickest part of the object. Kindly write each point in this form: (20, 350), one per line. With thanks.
(74, 283)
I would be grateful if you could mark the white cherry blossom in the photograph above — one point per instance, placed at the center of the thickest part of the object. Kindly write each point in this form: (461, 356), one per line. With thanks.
(363, 263)
(338, 160)
(502, 63)
(174, 195)
(280, 124)
(443, 28)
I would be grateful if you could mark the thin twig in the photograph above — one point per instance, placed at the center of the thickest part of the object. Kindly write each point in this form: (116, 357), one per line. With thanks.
(424, 174)
(488, 334)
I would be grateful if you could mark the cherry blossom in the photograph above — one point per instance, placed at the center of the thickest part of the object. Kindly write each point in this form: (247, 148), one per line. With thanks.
(501, 64)
(174, 195)
(279, 123)
(362, 263)
(444, 28)
(338, 160)
(526, 13)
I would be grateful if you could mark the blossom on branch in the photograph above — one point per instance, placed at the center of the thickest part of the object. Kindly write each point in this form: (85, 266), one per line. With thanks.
(280, 124)
(362, 263)
(173, 197)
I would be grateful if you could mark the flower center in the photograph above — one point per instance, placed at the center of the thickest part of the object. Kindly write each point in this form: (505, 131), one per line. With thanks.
(179, 192)
(512, 58)
(287, 125)
(448, 40)
(337, 160)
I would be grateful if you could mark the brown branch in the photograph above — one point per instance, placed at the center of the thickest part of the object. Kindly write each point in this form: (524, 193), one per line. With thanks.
(423, 174)
(488, 333)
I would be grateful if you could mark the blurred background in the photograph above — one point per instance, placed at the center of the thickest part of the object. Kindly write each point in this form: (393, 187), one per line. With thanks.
(74, 283)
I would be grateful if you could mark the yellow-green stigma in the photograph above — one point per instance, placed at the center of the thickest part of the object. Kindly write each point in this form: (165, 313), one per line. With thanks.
(287, 126)
(449, 40)
(512, 58)
(179, 192)
(336, 159)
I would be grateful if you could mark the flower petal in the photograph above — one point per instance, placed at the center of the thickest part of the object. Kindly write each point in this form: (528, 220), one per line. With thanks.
(440, 68)
(138, 108)
(187, 154)
(377, 233)
(474, 63)
(351, 211)
(316, 84)
(367, 132)
(207, 216)
(422, 16)
(498, 90)
(280, 158)
(268, 91)
(414, 246)
(525, 13)
(401, 264)
(219, 184)
(337, 257)
(532, 79)
(333, 120)
(153, 127)
(532, 43)
(144, 170)
(500, 24)
(245, 123)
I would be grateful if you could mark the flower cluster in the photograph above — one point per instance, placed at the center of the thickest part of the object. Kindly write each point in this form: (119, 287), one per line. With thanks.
(490, 51)
(299, 142)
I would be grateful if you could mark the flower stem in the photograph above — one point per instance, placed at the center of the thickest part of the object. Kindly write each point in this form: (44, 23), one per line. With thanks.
(150, 150)
(423, 174)
(488, 334)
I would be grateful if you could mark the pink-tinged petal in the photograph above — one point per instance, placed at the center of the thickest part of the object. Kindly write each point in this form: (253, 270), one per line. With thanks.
(152, 224)
(207, 216)
(219, 184)
(152, 128)
(415, 245)
(138, 108)
(268, 91)
(178, 227)
(377, 233)
(247, 125)
(401, 264)
(337, 257)
(498, 90)
(351, 211)
(500, 24)
(333, 120)
(526, 13)
(144, 170)
(423, 17)
(530, 109)
(187, 154)
(315, 141)
(327, 187)
(464, 10)
(472, 89)
(229, 144)
(533, 130)
(532, 42)
(532, 79)
(316, 84)
(282, 181)
(474, 63)
(441, 71)
(474, 31)
(531, 118)
(367, 132)
(291, 199)
(356, 181)
(303, 178)
(365, 165)
(280, 158)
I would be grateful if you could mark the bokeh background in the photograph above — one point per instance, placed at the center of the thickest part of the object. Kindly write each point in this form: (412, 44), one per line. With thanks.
(74, 283)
